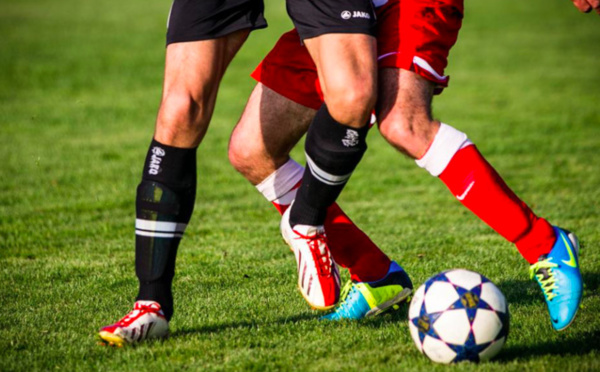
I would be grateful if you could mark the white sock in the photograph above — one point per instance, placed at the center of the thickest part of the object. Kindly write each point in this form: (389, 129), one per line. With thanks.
(280, 186)
(447, 142)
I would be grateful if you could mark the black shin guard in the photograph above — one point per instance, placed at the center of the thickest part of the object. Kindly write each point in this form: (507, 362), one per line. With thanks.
(164, 205)
(332, 151)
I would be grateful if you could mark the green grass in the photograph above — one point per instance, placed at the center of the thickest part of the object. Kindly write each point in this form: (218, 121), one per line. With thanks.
(79, 88)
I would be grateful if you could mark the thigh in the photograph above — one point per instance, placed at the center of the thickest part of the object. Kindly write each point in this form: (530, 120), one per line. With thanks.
(269, 128)
(193, 20)
(197, 67)
(193, 72)
(347, 70)
(404, 110)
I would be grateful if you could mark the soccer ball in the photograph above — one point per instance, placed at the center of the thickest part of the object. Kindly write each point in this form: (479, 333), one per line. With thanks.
(458, 315)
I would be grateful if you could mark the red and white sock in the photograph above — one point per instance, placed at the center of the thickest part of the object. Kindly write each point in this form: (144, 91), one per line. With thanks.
(350, 246)
(477, 185)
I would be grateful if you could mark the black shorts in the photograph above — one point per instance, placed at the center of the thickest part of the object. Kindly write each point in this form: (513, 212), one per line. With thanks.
(193, 20)
(317, 17)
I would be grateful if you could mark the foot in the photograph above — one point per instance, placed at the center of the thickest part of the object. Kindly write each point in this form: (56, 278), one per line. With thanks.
(558, 275)
(145, 321)
(318, 275)
(365, 299)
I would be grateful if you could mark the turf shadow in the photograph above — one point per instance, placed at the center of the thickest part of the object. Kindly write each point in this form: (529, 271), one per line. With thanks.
(576, 344)
(527, 291)
(591, 282)
(520, 291)
(384, 320)
(214, 328)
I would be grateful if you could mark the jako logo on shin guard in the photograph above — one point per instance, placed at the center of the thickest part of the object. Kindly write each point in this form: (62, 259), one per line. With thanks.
(155, 160)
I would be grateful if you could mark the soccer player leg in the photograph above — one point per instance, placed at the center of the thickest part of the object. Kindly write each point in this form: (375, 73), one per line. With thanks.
(344, 55)
(448, 154)
(164, 205)
(339, 38)
(193, 73)
(196, 60)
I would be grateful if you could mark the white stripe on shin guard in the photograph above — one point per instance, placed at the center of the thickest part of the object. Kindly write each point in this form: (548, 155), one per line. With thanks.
(446, 143)
(159, 229)
(325, 177)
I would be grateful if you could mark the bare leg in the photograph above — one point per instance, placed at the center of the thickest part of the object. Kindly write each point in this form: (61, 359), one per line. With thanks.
(347, 70)
(193, 73)
(404, 111)
(269, 128)
(166, 194)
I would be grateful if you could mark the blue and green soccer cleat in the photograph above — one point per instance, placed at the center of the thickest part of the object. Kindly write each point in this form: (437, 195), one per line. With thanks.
(559, 277)
(364, 299)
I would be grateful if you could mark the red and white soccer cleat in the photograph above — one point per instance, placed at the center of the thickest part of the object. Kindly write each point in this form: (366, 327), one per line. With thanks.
(145, 321)
(318, 275)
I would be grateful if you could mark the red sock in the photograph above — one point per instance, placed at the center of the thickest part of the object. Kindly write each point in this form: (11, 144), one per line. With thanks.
(477, 185)
(352, 248)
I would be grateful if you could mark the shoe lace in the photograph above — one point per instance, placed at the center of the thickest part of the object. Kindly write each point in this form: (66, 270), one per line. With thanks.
(544, 275)
(317, 244)
(347, 289)
(138, 309)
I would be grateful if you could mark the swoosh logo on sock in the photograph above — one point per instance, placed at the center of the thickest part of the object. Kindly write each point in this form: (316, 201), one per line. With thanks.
(464, 194)
(572, 262)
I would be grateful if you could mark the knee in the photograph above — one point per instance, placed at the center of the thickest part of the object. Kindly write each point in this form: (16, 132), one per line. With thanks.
(182, 115)
(351, 103)
(396, 129)
(240, 157)
(243, 156)
(408, 131)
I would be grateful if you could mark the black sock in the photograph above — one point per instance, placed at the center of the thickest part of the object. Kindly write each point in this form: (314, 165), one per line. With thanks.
(332, 151)
(164, 205)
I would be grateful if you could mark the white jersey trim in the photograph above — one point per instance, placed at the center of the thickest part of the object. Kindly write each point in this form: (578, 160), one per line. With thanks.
(421, 63)
(426, 66)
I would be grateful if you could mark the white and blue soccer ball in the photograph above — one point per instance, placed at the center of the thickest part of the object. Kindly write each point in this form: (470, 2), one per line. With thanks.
(458, 315)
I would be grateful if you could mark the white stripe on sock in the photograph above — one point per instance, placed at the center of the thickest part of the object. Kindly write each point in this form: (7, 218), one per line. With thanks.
(327, 178)
(158, 235)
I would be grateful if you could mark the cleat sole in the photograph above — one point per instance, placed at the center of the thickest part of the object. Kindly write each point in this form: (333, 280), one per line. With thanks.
(315, 307)
(391, 304)
(111, 340)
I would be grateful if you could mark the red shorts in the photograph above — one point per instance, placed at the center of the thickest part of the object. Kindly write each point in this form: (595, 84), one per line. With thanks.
(414, 35)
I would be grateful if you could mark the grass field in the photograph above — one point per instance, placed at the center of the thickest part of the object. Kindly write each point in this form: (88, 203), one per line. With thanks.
(79, 88)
